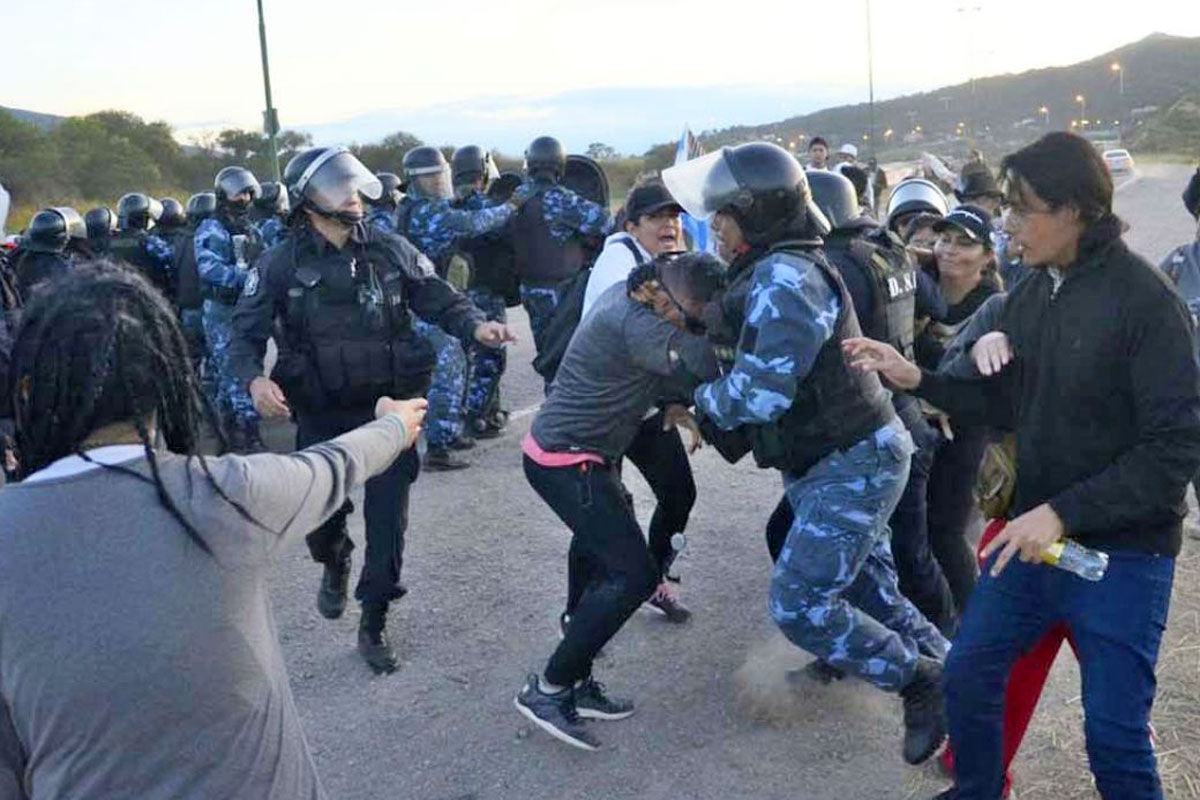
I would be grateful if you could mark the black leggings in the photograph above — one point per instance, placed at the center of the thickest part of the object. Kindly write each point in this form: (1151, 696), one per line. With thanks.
(951, 497)
(661, 458)
(608, 559)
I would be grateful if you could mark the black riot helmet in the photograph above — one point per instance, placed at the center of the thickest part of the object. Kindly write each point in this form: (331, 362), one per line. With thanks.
(173, 215)
(834, 194)
(273, 199)
(232, 181)
(546, 158)
(100, 223)
(470, 164)
(913, 196)
(324, 179)
(200, 207)
(389, 195)
(427, 173)
(135, 211)
(47, 232)
(759, 184)
(76, 227)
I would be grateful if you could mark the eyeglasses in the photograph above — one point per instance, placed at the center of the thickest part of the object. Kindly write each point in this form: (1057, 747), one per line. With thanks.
(1017, 212)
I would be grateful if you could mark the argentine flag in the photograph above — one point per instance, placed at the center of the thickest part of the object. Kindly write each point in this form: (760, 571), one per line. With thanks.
(696, 229)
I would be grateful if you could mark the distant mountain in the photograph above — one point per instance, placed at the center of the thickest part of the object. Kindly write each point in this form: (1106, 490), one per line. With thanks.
(1157, 70)
(43, 121)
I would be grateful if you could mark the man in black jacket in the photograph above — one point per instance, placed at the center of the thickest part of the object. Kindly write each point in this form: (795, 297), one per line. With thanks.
(1102, 389)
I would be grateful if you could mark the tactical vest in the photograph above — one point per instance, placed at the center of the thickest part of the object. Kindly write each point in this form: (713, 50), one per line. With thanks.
(187, 275)
(129, 246)
(835, 406)
(245, 248)
(540, 259)
(884, 262)
(492, 264)
(348, 338)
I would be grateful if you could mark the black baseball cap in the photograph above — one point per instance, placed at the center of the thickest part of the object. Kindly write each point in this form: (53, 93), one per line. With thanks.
(971, 220)
(649, 199)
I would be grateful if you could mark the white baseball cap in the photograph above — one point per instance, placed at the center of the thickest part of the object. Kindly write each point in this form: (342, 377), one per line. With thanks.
(849, 150)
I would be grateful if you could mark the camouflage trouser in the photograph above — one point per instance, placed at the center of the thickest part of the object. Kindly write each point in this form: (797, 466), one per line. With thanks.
(443, 422)
(191, 321)
(539, 302)
(487, 363)
(232, 399)
(834, 590)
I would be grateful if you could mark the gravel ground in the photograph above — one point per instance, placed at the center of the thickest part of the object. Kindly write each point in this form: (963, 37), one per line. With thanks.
(716, 719)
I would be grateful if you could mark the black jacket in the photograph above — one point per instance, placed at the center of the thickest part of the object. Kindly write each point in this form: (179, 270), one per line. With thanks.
(1103, 393)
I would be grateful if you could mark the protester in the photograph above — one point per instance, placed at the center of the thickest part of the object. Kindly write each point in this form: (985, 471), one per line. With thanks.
(846, 154)
(633, 350)
(138, 653)
(1100, 384)
(818, 153)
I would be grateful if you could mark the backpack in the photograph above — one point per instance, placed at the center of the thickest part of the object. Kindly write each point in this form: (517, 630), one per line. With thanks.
(567, 313)
(997, 480)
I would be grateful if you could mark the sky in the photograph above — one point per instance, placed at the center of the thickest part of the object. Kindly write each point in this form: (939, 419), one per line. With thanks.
(629, 73)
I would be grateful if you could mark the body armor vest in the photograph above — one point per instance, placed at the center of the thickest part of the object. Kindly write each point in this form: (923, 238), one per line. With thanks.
(885, 264)
(540, 259)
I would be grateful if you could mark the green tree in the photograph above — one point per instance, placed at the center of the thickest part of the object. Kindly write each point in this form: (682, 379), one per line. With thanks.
(601, 152)
(101, 164)
(388, 153)
(29, 164)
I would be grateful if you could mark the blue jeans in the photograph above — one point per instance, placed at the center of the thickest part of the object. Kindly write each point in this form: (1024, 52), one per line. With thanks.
(833, 591)
(1117, 624)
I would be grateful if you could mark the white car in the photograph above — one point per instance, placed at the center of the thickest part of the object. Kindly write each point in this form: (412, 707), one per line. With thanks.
(1118, 160)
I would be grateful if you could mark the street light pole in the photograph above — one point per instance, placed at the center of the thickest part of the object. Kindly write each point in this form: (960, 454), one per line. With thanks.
(1120, 70)
(1082, 111)
(1045, 112)
(871, 79)
(270, 117)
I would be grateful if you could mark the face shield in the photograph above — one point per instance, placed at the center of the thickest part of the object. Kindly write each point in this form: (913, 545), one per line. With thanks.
(76, 227)
(239, 181)
(703, 186)
(433, 182)
(334, 179)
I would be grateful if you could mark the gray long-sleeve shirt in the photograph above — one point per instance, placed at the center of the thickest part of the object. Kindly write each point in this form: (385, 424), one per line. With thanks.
(132, 664)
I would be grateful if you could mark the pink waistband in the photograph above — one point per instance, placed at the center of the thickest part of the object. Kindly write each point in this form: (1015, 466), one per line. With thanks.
(531, 448)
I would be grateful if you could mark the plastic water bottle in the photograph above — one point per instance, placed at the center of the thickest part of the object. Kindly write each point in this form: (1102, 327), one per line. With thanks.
(678, 545)
(1075, 558)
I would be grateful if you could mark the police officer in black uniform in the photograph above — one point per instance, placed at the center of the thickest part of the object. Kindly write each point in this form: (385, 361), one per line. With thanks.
(42, 254)
(188, 294)
(101, 224)
(134, 244)
(341, 296)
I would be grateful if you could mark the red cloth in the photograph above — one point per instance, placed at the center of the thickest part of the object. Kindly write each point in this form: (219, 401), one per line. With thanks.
(546, 458)
(1025, 682)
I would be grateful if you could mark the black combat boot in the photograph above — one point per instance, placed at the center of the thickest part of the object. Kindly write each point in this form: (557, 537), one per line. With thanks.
(444, 460)
(373, 642)
(482, 428)
(464, 441)
(924, 712)
(331, 597)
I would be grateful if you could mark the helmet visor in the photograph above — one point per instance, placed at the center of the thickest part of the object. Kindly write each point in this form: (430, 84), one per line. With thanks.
(434, 183)
(337, 180)
(703, 186)
(76, 227)
(239, 181)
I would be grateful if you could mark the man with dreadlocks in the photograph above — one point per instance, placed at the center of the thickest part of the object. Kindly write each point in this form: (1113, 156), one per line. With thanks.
(344, 294)
(138, 654)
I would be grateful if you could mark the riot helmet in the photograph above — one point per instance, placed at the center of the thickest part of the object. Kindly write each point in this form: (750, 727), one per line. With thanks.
(546, 158)
(324, 179)
(834, 194)
(915, 195)
(389, 196)
(427, 173)
(231, 182)
(135, 211)
(470, 164)
(100, 223)
(173, 215)
(201, 206)
(47, 232)
(759, 184)
(272, 199)
(76, 227)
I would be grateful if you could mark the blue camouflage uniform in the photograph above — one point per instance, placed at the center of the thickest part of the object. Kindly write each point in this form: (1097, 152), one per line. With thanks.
(434, 226)
(222, 276)
(271, 230)
(486, 364)
(566, 214)
(383, 219)
(833, 591)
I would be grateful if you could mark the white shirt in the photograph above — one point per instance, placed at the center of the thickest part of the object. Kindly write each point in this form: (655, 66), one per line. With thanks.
(612, 266)
(70, 465)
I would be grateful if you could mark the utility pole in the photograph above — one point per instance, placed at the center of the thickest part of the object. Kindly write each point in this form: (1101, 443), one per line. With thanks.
(871, 79)
(968, 13)
(270, 117)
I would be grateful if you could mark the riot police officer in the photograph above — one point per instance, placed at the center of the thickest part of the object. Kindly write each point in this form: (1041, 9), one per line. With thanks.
(227, 244)
(101, 224)
(548, 230)
(383, 208)
(134, 244)
(344, 295)
(791, 397)
(268, 212)
(42, 255)
(427, 219)
(172, 227)
(189, 300)
(487, 264)
(890, 293)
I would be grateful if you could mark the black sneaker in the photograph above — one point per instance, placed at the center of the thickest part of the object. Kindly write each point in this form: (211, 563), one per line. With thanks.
(823, 672)
(555, 714)
(924, 712)
(444, 461)
(463, 442)
(592, 703)
(373, 643)
(331, 597)
(481, 428)
(665, 604)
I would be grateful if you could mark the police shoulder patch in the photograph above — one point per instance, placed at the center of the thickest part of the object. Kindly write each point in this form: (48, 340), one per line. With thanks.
(251, 287)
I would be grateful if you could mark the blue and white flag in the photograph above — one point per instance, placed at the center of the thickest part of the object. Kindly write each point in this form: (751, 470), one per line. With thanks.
(696, 229)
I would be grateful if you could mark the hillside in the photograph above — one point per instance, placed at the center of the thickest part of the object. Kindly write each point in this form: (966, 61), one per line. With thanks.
(1157, 71)
(42, 121)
